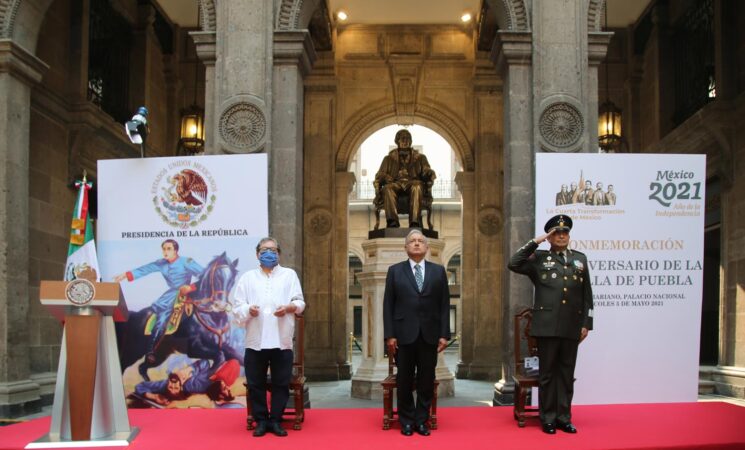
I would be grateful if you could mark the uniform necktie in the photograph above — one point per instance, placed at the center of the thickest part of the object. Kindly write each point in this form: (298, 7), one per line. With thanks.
(562, 258)
(418, 277)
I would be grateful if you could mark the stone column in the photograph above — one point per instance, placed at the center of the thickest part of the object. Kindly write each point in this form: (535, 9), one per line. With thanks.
(343, 185)
(468, 261)
(380, 254)
(324, 190)
(513, 55)
(597, 48)
(239, 110)
(564, 97)
(293, 58)
(205, 43)
(19, 71)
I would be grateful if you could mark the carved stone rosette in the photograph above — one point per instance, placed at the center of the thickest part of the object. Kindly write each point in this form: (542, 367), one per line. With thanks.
(561, 126)
(319, 222)
(490, 221)
(242, 127)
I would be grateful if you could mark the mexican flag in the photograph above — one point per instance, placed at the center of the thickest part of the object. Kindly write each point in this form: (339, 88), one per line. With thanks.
(82, 261)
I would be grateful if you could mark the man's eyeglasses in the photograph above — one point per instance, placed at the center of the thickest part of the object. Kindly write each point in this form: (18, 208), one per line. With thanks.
(264, 250)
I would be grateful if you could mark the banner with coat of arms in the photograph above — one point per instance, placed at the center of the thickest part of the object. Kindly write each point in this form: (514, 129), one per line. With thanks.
(639, 218)
(177, 233)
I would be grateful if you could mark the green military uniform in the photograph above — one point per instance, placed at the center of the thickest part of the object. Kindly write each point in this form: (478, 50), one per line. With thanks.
(562, 307)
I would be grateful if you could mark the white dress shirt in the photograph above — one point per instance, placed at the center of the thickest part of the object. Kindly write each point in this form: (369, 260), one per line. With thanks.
(268, 291)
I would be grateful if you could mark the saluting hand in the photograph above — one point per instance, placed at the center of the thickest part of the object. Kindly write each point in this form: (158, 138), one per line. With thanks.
(543, 237)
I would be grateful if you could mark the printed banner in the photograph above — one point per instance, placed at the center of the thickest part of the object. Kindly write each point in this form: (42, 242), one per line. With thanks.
(177, 233)
(639, 218)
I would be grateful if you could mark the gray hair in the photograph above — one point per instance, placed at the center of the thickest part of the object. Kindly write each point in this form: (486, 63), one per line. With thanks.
(416, 231)
(267, 239)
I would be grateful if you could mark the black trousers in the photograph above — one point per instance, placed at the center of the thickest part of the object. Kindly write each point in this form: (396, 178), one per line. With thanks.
(256, 364)
(556, 361)
(415, 361)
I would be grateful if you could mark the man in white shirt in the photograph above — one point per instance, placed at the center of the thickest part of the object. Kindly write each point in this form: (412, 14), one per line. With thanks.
(266, 301)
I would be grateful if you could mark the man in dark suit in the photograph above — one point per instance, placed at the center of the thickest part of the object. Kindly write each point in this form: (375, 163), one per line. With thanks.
(416, 313)
(562, 316)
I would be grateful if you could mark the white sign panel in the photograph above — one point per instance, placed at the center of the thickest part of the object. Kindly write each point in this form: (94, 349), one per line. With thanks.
(639, 218)
(177, 233)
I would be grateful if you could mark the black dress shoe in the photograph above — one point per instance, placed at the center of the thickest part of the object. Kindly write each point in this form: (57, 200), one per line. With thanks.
(422, 429)
(566, 427)
(407, 430)
(549, 428)
(277, 429)
(260, 429)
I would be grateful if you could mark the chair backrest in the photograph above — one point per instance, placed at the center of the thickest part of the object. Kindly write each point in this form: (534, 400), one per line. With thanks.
(298, 365)
(525, 344)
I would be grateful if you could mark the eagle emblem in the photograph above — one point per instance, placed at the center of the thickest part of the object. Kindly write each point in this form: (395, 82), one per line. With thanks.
(190, 188)
(184, 197)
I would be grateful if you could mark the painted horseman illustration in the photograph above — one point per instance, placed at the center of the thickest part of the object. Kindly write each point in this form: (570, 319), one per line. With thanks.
(189, 318)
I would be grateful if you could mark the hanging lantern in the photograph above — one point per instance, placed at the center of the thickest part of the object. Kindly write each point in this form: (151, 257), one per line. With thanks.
(191, 140)
(609, 127)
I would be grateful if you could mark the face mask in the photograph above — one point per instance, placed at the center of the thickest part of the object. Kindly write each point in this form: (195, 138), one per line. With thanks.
(268, 259)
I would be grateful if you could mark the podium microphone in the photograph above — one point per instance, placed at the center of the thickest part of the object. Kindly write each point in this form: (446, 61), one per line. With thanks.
(137, 129)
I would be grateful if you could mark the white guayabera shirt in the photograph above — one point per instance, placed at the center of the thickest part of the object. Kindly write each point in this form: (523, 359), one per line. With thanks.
(268, 291)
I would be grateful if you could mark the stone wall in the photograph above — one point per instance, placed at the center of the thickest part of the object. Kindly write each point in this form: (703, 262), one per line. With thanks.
(68, 135)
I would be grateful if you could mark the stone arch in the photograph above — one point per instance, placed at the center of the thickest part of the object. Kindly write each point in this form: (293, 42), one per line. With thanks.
(365, 124)
(512, 15)
(596, 10)
(450, 251)
(208, 15)
(20, 21)
(355, 248)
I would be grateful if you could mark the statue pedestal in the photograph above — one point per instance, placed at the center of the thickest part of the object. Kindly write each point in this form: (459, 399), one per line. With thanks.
(380, 254)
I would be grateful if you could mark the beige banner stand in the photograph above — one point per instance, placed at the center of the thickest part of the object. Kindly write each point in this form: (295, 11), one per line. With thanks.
(89, 408)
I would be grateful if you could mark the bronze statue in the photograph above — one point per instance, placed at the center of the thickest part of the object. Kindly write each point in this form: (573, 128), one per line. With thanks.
(404, 181)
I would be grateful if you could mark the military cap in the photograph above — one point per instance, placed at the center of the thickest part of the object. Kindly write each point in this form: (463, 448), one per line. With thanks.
(561, 222)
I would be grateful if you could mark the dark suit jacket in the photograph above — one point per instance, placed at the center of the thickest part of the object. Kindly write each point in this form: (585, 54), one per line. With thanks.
(407, 312)
(563, 294)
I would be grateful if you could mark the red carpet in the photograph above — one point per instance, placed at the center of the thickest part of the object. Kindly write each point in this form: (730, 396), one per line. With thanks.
(705, 425)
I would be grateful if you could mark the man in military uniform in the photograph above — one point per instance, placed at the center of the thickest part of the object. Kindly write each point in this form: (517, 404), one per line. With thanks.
(562, 316)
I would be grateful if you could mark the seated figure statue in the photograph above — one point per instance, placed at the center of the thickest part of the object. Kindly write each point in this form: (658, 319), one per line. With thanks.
(404, 174)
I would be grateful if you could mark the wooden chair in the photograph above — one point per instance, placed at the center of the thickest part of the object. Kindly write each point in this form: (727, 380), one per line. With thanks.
(389, 387)
(525, 345)
(297, 382)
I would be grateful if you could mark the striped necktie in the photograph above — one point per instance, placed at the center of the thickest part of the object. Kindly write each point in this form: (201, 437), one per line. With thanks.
(418, 277)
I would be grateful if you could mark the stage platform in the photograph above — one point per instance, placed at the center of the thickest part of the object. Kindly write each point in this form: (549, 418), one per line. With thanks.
(702, 425)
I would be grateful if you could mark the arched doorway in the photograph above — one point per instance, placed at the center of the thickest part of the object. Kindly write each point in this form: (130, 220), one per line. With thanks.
(385, 75)
(446, 211)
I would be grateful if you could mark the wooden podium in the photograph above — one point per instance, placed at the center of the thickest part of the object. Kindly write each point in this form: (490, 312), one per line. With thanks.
(89, 407)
